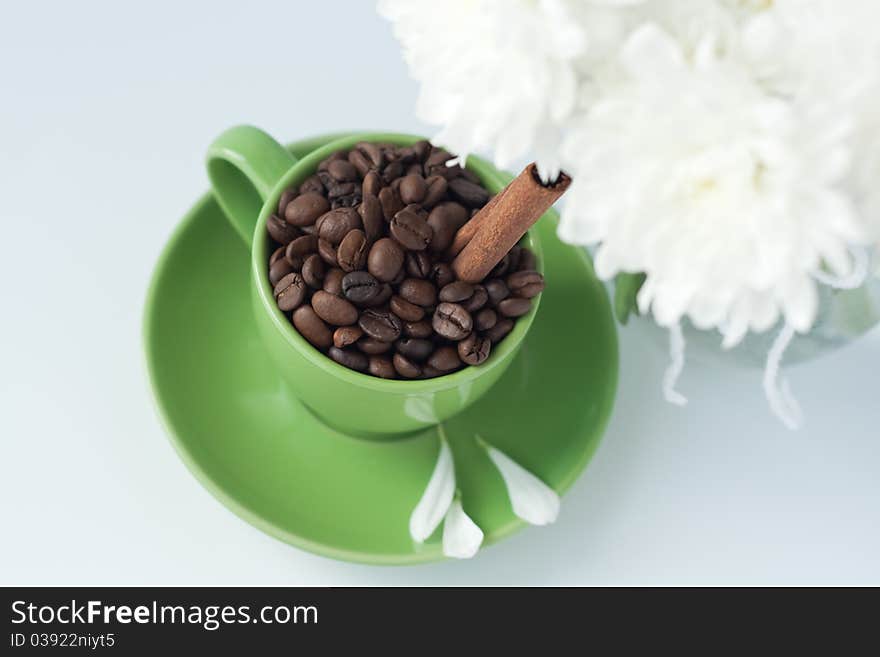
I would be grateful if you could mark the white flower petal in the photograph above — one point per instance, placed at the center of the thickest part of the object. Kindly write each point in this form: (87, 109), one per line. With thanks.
(461, 536)
(725, 148)
(650, 53)
(800, 302)
(531, 499)
(429, 512)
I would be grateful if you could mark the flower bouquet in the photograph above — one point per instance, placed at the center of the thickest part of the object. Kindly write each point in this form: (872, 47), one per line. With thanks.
(723, 153)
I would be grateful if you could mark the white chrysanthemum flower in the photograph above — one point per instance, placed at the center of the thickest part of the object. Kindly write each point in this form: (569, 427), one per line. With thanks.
(728, 149)
(496, 74)
(812, 49)
(724, 195)
(865, 182)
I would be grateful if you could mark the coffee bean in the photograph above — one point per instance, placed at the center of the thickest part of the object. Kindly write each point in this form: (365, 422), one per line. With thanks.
(277, 254)
(436, 191)
(380, 324)
(372, 184)
(390, 202)
(382, 367)
(429, 372)
(296, 262)
(305, 209)
(309, 230)
(278, 270)
(338, 188)
(474, 349)
(299, 248)
(352, 252)
(313, 271)
(501, 329)
(405, 367)
(383, 297)
(513, 257)
(418, 264)
(327, 252)
(527, 260)
(334, 310)
(312, 327)
(290, 292)
(385, 259)
(370, 211)
(448, 172)
(325, 163)
(514, 307)
(360, 162)
(445, 220)
(415, 169)
(457, 291)
(497, 290)
(392, 171)
(445, 359)
(420, 329)
(437, 157)
(451, 321)
(373, 346)
(360, 287)
(525, 283)
(286, 197)
(418, 291)
(346, 335)
(372, 152)
(413, 188)
(414, 349)
(502, 267)
(351, 359)
(485, 319)
(422, 149)
(477, 300)
(312, 184)
(333, 281)
(281, 231)
(411, 230)
(407, 154)
(343, 171)
(442, 274)
(346, 201)
(409, 312)
(417, 209)
(467, 174)
(336, 224)
(397, 280)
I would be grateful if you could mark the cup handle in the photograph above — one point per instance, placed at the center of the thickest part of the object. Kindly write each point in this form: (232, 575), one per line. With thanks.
(244, 165)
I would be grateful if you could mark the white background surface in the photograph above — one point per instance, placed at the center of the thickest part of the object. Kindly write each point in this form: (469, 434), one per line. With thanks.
(105, 112)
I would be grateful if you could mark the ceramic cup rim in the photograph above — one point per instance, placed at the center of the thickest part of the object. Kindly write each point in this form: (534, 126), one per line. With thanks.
(301, 170)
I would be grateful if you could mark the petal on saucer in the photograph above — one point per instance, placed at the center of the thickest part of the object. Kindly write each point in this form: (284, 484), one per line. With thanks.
(461, 536)
(437, 497)
(531, 499)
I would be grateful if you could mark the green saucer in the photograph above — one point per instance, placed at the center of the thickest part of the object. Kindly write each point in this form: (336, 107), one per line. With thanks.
(262, 454)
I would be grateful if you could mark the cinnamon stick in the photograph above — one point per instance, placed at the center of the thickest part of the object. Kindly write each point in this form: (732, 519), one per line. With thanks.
(502, 222)
(466, 233)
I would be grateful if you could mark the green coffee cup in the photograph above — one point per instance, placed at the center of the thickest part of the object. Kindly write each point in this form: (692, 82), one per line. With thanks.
(249, 170)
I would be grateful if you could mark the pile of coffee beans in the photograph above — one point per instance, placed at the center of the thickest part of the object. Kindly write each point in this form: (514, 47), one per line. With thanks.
(360, 263)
